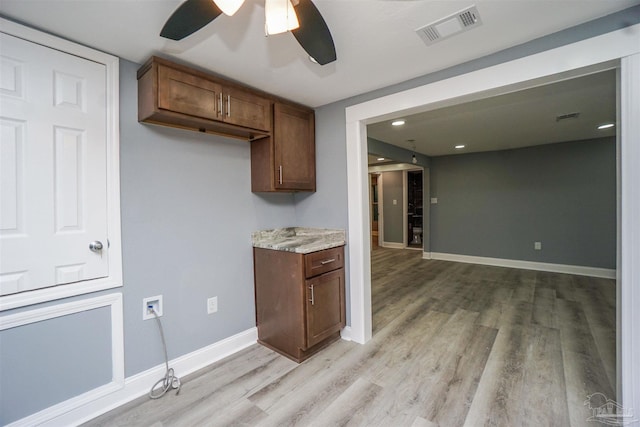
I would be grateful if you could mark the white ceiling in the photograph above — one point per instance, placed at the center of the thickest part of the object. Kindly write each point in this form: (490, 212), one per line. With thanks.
(515, 120)
(375, 40)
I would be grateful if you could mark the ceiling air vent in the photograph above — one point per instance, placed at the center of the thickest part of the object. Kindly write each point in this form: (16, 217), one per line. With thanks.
(449, 26)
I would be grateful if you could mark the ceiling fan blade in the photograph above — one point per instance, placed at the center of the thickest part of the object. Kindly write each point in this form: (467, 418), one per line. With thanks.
(189, 18)
(313, 33)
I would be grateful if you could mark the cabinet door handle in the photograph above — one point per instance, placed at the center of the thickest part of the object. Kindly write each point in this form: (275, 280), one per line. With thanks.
(228, 105)
(220, 104)
(280, 174)
(312, 300)
(327, 261)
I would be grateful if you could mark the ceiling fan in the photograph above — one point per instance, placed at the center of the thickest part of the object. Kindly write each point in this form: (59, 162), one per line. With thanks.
(301, 17)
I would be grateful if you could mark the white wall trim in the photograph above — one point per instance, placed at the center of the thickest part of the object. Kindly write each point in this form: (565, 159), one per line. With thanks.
(345, 333)
(359, 246)
(392, 245)
(629, 276)
(111, 64)
(579, 270)
(114, 301)
(98, 402)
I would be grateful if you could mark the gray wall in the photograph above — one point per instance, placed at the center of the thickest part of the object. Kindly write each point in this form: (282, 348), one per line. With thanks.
(188, 211)
(497, 204)
(393, 214)
(44, 363)
(187, 217)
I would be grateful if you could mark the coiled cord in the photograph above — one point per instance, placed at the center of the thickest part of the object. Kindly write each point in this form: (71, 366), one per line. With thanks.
(170, 380)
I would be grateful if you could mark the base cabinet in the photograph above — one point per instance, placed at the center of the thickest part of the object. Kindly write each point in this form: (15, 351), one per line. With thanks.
(300, 302)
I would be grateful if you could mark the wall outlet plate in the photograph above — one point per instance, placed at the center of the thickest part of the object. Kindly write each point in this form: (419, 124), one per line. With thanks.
(537, 246)
(156, 303)
(212, 305)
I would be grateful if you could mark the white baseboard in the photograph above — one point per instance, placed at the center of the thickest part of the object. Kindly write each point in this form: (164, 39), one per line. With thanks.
(526, 265)
(140, 384)
(345, 333)
(392, 245)
(426, 255)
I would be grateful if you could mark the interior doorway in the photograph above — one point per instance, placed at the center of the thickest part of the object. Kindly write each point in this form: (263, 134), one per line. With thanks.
(415, 209)
(579, 58)
(374, 197)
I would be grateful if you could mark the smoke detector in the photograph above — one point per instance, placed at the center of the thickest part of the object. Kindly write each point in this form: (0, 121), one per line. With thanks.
(459, 22)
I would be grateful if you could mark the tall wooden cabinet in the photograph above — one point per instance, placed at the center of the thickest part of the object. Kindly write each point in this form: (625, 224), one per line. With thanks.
(300, 302)
(286, 161)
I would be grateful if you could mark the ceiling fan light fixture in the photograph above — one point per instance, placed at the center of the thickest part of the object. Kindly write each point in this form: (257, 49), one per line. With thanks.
(228, 7)
(280, 17)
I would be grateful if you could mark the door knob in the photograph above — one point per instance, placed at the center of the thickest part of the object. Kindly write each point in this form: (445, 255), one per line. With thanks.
(95, 246)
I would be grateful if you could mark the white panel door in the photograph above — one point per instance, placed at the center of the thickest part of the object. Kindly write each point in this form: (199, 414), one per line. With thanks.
(53, 188)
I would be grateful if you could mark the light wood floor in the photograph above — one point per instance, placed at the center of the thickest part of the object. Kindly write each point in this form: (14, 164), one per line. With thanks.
(454, 344)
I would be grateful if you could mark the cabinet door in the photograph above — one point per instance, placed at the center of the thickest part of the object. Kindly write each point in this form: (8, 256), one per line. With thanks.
(294, 148)
(184, 93)
(325, 312)
(247, 109)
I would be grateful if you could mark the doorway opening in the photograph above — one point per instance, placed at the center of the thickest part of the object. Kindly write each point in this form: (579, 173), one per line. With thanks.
(415, 209)
(579, 58)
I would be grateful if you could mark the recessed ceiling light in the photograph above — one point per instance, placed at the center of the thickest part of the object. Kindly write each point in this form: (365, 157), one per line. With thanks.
(458, 147)
(397, 123)
(606, 126)
(380, 159)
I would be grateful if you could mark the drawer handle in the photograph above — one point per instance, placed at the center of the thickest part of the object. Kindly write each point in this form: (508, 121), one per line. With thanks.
(312, 300)
(327, 261)
(220, 104)
(228, 105)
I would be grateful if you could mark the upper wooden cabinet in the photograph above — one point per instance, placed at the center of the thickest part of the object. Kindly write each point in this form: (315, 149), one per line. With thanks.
(287, 161)
(244, 108)
(174, 95)
(282, 134)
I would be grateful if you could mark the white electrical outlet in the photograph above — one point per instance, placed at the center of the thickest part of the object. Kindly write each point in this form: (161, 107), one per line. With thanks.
(212, 305)
(434, 200)
(537, 246)
(148, 304)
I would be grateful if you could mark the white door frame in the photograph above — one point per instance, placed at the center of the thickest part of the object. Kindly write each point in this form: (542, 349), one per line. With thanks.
(111, 64)
(619, 48)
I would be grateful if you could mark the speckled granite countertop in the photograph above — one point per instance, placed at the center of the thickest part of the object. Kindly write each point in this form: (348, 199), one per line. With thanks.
(298, 239)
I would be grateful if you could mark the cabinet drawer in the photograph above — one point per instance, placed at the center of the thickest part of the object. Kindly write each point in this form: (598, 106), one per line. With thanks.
(323, 261)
